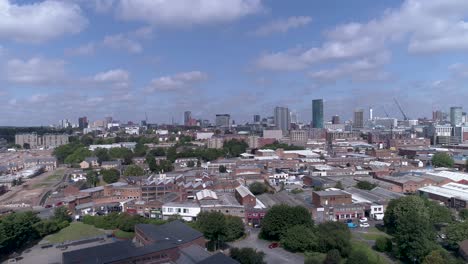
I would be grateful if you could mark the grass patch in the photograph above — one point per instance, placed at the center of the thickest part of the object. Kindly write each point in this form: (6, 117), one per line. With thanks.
(122, 234)
(373, 236)
(75, 231)
(56, 176)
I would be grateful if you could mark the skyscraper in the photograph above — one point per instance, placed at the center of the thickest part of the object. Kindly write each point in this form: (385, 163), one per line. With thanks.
(359, 118)
(335, 119)
(317, 113)
(455, 115)
(187, 118)
(223, 120)
(282, 119)
(293, 116)
(256, 119)
(83, 122)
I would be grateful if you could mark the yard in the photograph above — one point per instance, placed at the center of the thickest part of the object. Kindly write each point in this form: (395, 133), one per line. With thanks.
(75, 231)
(124, 235)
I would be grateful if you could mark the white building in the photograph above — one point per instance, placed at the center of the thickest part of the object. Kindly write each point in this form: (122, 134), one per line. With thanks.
(187, 211)
(132, 130)
(204, 135)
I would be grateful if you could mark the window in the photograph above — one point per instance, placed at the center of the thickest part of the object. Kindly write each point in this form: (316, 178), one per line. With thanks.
(179, 210)
(169, 210)
(186, 211)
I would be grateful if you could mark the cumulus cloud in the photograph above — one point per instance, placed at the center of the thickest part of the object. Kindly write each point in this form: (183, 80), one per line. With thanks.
(36, 70)
(118, 78)
(186, 12)
(38, 22)
(177, 81)
(120, 41)
(282, 25)
(86, 49)
(427, 26)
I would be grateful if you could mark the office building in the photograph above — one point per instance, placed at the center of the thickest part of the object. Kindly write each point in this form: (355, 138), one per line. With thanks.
(223, 120)
(455, 116)
(335, 120)
(293, 116)
(317, 113)
(83, 122)
(187, 118)
(359, 118)
(282, 119)
(437, 116)
(256, 119)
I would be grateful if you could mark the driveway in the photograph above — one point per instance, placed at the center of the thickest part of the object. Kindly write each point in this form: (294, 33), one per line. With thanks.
(272, 256)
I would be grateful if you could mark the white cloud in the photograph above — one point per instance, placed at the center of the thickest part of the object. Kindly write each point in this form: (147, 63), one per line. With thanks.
(38, 98)
(86, 49)
(117, 78)
(186, 12)
(365, 69)
(38, 22)
(35, 71)
(143, 33)
(426, 26)
(282, 25)
(176, 81)
(120, 41)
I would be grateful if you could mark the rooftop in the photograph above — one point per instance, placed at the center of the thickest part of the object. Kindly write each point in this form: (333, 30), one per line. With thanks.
(174, 231)
(330, 193)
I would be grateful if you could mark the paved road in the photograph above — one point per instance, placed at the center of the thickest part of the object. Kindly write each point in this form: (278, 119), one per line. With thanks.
(272, 256)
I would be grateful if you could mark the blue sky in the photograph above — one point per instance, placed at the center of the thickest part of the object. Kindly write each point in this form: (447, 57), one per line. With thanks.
(69, 58)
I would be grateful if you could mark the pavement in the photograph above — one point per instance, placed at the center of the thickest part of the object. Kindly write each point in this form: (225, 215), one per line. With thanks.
(272, 256)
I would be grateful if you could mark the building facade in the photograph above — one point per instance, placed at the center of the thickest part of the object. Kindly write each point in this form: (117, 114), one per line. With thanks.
(282, 119)
(317, 113)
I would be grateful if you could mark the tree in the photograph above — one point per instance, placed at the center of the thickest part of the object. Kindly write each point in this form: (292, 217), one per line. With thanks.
(190, 164)
(358, 257)
(86, 140)
(281, 217)
(134, 170)
(43, 228)
(92, 178)
(16, 230)
(334, 235)
(222, 169)
(165, 166)
(121, 153)
(442, 159)
(383, 244)
(140, 150)
(408, 219)
(363, 254)
(435, 257)
(438, 214)
(299, 239)
(61, 214)
(247, 255)
(339, 185)
(151, 161)
(234, 228)
(110, 175)
(257, 188)
(365, 185)
(463, 214)
(234, 147)
(158, 152)
(456, 233)
(213, 226)
(333, 257)
(102, 155)
(78, 155)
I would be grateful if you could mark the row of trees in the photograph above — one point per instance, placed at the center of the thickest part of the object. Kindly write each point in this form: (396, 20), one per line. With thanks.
(219, 228)
(20, 229)
(122, 221)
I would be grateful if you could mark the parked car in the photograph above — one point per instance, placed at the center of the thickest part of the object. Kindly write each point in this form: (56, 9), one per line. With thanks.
(363, 220)
(273, 245)
(364, 225)
(352, 225)
(348, 221)
(378, 216)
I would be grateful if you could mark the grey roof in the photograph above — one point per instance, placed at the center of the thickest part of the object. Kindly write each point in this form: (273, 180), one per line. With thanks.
(174, 231)
(244, 191)
(330, 193)
(192, 255)
(90, 159)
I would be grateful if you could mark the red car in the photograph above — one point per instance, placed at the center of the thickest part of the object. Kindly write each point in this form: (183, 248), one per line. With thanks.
(273, 245)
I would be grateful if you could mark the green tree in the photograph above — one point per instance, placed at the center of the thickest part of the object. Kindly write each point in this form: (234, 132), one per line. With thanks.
(334, 235)
(92, 178)
(158, 152)
(442, 159)
(234, 228)
(383, 244)
(222, 169)
(86, 140)
(365, 185)
(134, 170)
(257, 188)
(165, 166)
(121, 153)
(463, 214)
(408, 219)
(150, 160)
(333, 257)
(62, 214)
(247, 255)
(43, 228)
(16, 230)
(299, 239)
(363, 254)
(438, 214)
(435, 257)
(140, 150)
(111, 175)
(281, 217)
(102, 155)
(78, 155)
(234, 147)
(358, 257)
(456, 233)
(314, 258)
(213, 226)
(339, 185)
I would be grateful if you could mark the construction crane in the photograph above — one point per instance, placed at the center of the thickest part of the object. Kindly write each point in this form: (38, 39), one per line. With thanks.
(146, 118)
(401, 110)
(385, 111)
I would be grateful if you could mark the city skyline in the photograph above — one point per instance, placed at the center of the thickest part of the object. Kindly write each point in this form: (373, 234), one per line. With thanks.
(110, 58)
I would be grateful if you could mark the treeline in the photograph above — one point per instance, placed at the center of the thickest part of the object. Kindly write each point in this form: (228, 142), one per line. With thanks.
(18, 230)
(277, 145)
(122, 221)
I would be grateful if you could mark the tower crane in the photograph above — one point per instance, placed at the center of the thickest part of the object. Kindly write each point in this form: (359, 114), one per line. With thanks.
(401, 110)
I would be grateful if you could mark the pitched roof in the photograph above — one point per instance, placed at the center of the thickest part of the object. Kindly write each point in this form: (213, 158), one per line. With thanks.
(219, 258)
(175, 231)
(243, 191)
